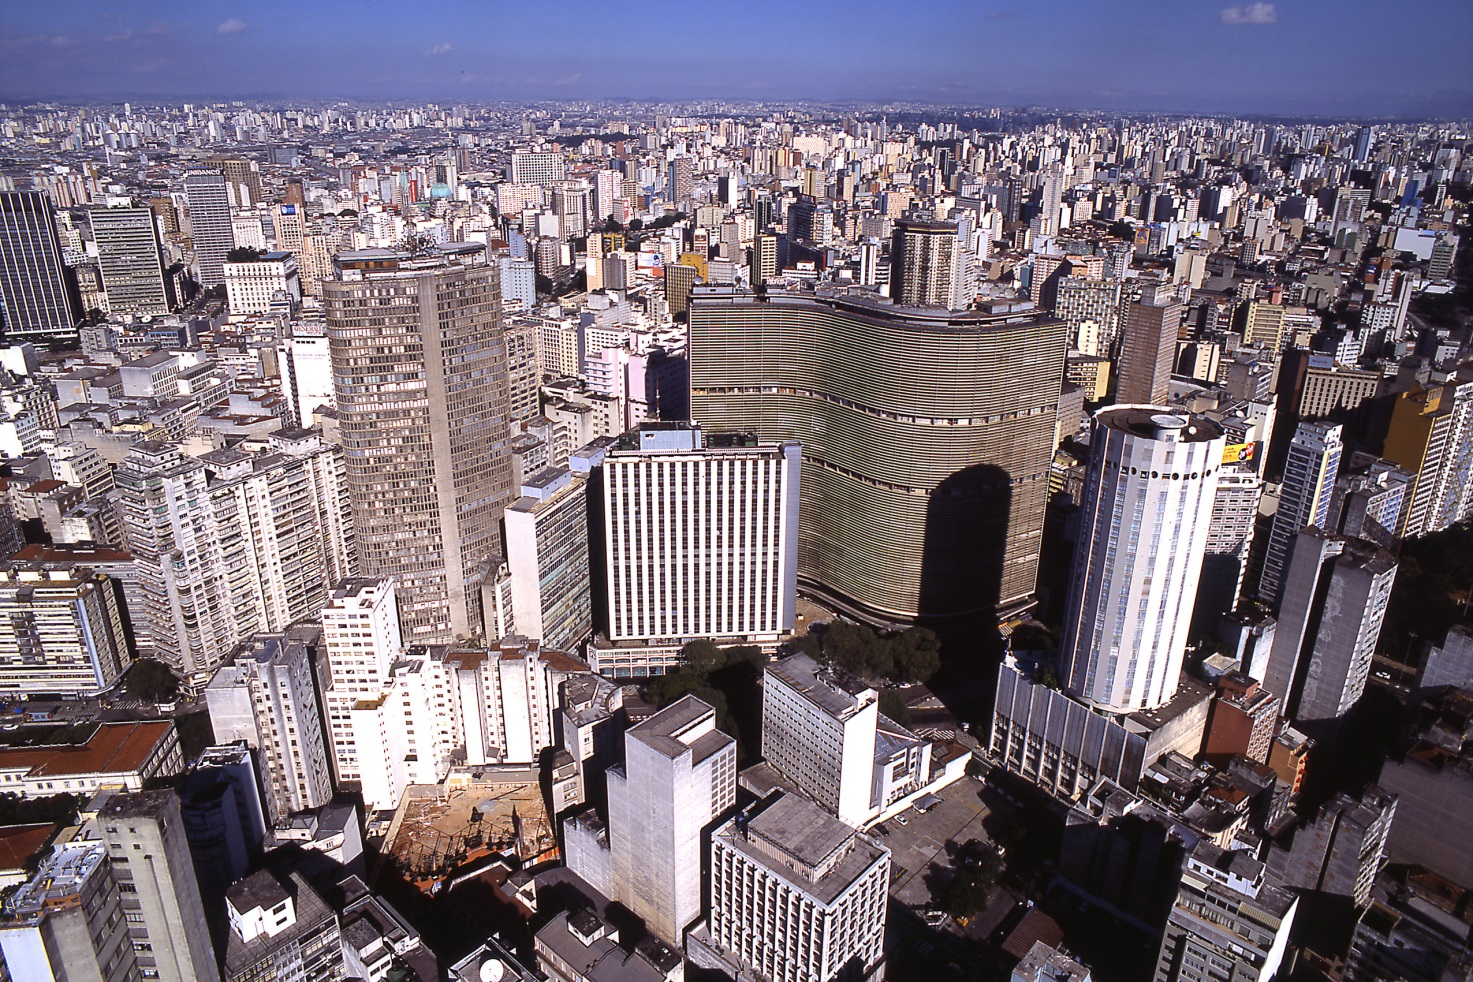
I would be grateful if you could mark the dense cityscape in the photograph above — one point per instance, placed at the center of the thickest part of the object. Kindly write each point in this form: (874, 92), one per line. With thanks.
(589, 541)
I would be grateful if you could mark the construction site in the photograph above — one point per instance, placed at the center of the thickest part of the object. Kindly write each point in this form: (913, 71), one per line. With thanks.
(442, 829)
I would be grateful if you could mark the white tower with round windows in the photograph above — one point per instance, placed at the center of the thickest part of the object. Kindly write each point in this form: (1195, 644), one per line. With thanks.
(1147, 506)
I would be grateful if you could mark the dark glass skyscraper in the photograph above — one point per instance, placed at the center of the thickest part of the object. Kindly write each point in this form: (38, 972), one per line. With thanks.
(36, 299)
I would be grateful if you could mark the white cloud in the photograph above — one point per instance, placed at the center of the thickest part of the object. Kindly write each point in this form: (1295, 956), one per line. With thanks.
(1252, 13)
(156, 30)
(231, 26)
(441, 49)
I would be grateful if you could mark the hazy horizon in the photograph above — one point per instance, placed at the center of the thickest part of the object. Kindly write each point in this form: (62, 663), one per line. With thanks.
(1291, 58)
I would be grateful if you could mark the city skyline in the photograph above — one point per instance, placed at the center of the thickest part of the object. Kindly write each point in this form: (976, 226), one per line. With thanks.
(1287, 58)
(541, 539)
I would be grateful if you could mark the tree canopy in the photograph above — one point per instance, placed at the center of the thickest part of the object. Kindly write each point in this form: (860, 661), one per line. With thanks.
(912, 655)
(149, 679)
(969, 889)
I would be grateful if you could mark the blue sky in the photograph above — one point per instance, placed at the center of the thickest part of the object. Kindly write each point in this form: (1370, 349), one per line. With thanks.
(1336, 57)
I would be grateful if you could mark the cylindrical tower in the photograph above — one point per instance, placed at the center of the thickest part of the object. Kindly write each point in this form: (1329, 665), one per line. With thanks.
(1147, 506)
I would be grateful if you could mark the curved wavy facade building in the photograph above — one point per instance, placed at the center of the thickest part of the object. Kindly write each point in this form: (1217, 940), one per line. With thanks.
(926, 435)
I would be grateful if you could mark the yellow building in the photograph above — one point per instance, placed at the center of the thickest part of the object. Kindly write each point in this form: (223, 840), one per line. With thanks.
(696, 260)
(1429, 427)
(1265, 325)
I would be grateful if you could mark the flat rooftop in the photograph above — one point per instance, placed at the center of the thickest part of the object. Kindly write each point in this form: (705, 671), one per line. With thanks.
(681, 728)
(58, 880)
(801, 829)
(1189, 693)
(818, 686)
(853, 864)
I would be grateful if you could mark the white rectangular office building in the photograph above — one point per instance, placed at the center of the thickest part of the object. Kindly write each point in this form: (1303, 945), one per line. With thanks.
(701, 538)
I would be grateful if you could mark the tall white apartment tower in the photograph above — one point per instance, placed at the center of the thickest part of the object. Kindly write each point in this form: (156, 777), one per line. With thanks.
(678, 776)
(360, 633)
(804, 710)
(1147, 507)
(700, 541)
(546, 534)
(267, 699)
(1304, 499)
(188, 579)
(230, 544)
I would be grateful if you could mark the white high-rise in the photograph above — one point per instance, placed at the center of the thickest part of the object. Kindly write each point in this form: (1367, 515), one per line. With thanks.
(1147, 508)
(306, 371)
(678, 775)
(267, 699)
(188, 581)
(543, 167)
(1304, 499)
(212, 231)
(821, 736)
(231, 544)
(129, 258)
(360, 632)
(701, 541)
(797, 895)
(398, 717)
(546, 533)
(823, 732)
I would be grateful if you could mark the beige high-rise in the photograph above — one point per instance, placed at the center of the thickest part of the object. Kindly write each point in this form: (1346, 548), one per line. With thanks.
(420, 381)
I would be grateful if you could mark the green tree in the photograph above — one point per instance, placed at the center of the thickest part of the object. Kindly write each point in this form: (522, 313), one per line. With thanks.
(1123, 230)
(149, 679)
(917, 654)
(857, 649)
(806, 644)
(243, 254)
(968, 891)
(60, 808)
(702, 657)
(750, 653)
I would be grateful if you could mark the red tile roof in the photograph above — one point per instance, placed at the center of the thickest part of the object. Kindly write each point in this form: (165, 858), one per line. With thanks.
(113, 748)
(19, 843)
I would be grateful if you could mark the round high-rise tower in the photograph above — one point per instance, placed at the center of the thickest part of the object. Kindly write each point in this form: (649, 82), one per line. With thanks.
(1147, 506)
